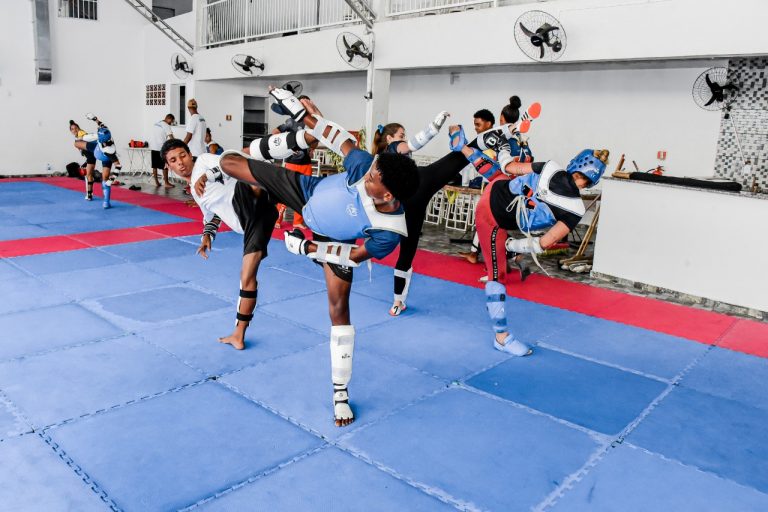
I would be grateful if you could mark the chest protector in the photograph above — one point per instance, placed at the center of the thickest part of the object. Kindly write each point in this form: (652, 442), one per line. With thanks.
(345, 212)
(536, 198)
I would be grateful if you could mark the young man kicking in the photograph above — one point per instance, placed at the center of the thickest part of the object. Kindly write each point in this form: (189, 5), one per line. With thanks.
(363, 202)
(242, 207)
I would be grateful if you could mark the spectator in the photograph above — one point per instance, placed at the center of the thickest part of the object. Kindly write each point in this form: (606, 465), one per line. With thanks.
(161, 132)
(195, 137)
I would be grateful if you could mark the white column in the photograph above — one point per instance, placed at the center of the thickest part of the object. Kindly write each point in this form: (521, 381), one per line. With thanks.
(377, 106)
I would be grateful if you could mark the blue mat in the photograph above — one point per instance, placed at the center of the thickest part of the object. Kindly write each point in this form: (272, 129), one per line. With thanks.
(328, 480)
(481, 452)
(151, 250)
(39, 330)
(731, 375)
(598, 397)
(628, 346)
(177, 449)
(66, 384)
(33, 477)
(435, 344)
(83, 259)
(106, 281)
(299, 386)
(8, 271)
(10, 424)
(632, 480)
(196, 341)
(26, 292)
(717, 435)
(312, 311)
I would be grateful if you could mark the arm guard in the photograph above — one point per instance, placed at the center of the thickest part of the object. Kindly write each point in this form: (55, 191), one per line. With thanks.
(278, 147)
(90, 137)
(421, 139)
(528, 245)
(333, 252)
(337, 135)
(211, 227)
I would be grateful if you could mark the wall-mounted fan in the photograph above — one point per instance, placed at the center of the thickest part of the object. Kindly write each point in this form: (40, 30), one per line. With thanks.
(353, 50)
(293, 86)
(712, 91)
(540, 36)
(180, 66)
(247, 65)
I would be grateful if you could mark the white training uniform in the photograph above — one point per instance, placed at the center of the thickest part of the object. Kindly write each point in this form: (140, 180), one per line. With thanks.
(196, 126)
(160, 132)
(217, 198)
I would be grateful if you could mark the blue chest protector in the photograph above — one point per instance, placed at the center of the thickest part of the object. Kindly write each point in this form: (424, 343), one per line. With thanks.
(534, 212)
(345, 212)
(520, 153)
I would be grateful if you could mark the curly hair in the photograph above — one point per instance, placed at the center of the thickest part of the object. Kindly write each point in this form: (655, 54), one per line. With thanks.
(398, 174)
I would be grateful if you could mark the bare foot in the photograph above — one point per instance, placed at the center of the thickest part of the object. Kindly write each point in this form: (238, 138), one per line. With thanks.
(233, 340)
(157, 183)
(469, 256)
(167, 185)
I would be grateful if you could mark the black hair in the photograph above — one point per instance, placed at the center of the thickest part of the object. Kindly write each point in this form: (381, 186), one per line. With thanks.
(398, 174)
(511, 112)
(303, 97)
(208, 131)
(72, 123)
(485, 115)
(172, 144)
(173, 117)
(380, 137)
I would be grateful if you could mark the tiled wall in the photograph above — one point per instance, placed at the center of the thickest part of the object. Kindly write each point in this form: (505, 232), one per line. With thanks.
(750, 115)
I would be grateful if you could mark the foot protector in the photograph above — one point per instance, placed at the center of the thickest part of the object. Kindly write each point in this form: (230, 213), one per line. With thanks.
(107, 194)
(396, 310)
(342, 412)
(513, 346)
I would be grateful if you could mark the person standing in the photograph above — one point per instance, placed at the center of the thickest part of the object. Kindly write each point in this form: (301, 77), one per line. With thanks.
(196, 127)
(161, 132)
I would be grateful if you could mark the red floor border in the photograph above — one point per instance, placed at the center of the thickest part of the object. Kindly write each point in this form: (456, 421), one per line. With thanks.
(750, 337)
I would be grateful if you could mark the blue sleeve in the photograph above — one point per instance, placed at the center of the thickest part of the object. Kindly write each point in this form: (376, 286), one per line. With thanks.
(392, 148)
(380, 242)
(356, 164)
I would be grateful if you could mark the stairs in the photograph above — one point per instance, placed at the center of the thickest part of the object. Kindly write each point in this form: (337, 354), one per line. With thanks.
(162, 26)
(364, 10)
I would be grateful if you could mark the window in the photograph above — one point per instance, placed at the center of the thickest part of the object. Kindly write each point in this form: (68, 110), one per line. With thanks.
(80, 9)
(155, 94)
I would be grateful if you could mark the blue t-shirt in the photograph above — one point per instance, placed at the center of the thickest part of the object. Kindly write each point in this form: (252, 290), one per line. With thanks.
(379, 242)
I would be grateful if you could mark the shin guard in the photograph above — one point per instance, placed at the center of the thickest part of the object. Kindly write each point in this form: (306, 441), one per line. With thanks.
(245, 317)
(342, 349)
(402, 284)
(495, 301)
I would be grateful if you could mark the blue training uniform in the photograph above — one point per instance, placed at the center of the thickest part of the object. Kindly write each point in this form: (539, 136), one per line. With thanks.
(338, 207)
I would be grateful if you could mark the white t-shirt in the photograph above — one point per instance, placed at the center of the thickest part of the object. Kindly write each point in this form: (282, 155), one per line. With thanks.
(217, 198)
(196, 126)
(160, 132)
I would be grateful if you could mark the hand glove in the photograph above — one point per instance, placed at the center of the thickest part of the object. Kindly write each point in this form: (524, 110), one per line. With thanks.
(290, 103)
(295, 242)
(524, 245)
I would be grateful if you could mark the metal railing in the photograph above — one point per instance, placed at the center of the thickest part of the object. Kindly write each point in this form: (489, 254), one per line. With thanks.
(80, 9)
(408, 7)
(236, 21)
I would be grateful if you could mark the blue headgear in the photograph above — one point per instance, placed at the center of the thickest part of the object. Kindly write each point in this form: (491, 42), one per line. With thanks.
(380, 128)
(587, 164)
(104, 134)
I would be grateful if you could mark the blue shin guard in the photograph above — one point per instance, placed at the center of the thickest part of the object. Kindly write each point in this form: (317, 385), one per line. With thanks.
(107, 189)
(495, 302)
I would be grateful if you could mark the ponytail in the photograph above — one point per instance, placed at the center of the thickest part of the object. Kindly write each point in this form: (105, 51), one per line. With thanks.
(380, 137)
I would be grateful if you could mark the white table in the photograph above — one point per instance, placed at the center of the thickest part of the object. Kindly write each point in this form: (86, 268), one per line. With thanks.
(139, 161)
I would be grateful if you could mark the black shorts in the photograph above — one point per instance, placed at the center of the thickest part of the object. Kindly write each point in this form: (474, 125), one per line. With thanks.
(90, 158)
(257, 216)
(157, 160)
(282, 185)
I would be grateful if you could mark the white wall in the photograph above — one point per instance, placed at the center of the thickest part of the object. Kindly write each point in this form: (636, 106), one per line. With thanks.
(598, 30)
(697, 242)
(632, 108)
(158, 50)
(93, 70)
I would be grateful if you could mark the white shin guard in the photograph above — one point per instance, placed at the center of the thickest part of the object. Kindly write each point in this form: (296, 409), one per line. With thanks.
(342, 349)
(335, 137)
(407, 276)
